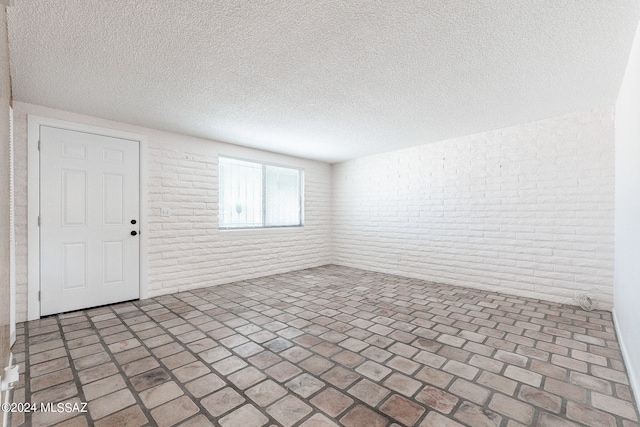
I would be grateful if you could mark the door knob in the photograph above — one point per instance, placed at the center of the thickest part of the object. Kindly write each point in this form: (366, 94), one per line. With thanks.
(133, 221)
(133, 233)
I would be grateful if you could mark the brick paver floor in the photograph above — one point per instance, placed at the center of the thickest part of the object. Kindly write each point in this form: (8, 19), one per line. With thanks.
(323, 347)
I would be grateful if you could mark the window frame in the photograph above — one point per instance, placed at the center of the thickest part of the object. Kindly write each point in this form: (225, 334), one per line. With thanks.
(264, 165)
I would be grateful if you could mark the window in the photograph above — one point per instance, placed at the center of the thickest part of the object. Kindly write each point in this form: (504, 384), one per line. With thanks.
(253, 194)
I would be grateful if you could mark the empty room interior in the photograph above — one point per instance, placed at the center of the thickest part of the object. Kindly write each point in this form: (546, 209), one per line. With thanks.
(320, 213)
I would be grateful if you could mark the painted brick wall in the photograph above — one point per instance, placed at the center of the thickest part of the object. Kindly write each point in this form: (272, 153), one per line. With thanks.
(187, 250)
(526, 210)
(20, 210)
(5, 227)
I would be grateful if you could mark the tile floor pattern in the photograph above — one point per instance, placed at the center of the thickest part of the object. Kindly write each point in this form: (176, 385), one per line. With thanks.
(323, 347)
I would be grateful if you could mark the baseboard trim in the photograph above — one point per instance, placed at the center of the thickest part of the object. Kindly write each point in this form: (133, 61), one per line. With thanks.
(631, 371)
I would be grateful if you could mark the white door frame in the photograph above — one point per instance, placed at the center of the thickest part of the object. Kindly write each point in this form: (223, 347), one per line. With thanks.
(33, 201)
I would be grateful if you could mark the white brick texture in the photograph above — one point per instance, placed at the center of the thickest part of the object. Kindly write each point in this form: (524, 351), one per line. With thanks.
(186, 250)
(527, 210)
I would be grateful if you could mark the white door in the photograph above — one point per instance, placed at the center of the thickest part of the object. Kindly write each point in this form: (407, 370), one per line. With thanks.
(89, 220)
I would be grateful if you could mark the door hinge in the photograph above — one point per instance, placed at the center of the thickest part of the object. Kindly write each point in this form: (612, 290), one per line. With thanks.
(39, 295)
(38, 145)
(38, 220)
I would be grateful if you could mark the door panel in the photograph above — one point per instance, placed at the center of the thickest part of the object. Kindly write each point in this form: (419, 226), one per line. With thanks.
(74, 196)
(113, 262)
(113, 191)
(74, 266)
(89, 195)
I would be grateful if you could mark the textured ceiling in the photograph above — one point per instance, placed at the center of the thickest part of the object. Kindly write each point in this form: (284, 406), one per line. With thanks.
(329, 80)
